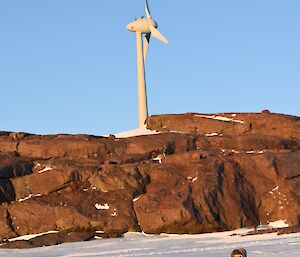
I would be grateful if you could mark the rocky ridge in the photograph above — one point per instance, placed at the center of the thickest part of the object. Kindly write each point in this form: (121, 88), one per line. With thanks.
(202, 173)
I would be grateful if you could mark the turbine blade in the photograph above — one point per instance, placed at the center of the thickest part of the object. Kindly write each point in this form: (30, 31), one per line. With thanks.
(155, 33)
(148, 15)
(146, 45)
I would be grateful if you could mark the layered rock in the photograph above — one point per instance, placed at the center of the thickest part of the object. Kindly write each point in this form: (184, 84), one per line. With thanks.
(232, 124)
(202, 173)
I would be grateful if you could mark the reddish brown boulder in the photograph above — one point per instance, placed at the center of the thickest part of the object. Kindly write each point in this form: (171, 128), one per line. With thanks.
(51, 180)
(190, 195)
(193, 195)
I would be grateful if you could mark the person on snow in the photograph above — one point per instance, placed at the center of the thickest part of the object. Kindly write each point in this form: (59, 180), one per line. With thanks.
(240, 252)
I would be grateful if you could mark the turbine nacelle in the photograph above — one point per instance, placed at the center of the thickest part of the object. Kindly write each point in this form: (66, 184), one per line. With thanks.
(142, 25)
(144, 28)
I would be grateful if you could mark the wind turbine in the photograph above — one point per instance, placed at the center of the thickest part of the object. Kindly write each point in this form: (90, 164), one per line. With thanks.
(144, 28)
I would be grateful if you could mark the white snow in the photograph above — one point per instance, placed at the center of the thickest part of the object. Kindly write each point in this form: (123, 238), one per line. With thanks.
(159, 158)
(28, 237)
(45, 169)
(136, 199)
(275, 189)
(221, 118)
(38, 165)
(139, 244)
(278, 224)
(115, 213)
(273, 224)
(29, 197)
(177, 132)
(254, 152)
(212, 134)
(102, 206)
(136, 132)
(194, 179)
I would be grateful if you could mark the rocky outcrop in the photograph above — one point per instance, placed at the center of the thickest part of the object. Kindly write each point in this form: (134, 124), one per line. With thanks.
(232, 124)
(202, 173)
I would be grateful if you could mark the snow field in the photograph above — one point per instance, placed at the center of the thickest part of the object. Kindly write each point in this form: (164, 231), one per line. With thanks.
(139, 244)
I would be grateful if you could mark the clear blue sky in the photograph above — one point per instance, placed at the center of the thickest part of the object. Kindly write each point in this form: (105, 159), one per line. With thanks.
(70, 65)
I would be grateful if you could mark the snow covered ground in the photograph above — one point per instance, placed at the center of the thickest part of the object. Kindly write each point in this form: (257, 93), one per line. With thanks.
(136, 132)
(136, 244)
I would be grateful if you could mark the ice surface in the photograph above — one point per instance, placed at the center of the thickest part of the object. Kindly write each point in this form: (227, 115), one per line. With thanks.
(139, 244)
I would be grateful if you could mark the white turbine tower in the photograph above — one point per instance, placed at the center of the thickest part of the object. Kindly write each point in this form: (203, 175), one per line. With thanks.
(144, 28)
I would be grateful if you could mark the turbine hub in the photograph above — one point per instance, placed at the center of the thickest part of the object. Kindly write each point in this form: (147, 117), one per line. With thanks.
(142, 25)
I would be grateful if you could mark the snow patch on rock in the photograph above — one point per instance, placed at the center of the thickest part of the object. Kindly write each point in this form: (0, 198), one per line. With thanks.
(136, 132)
(278, 224)
(115, 213)
(45, 170)
(212, 134)
(220, 118)
(102, 206)
(29, 197)
(159, 158)
(193, 179)
(136, 199)
(31, 236)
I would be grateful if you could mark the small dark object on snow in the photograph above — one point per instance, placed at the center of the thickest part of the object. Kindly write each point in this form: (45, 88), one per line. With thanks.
(240, 252)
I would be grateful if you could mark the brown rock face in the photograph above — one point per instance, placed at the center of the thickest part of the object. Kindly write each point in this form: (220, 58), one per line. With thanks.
(217, 172)
(231, 124)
